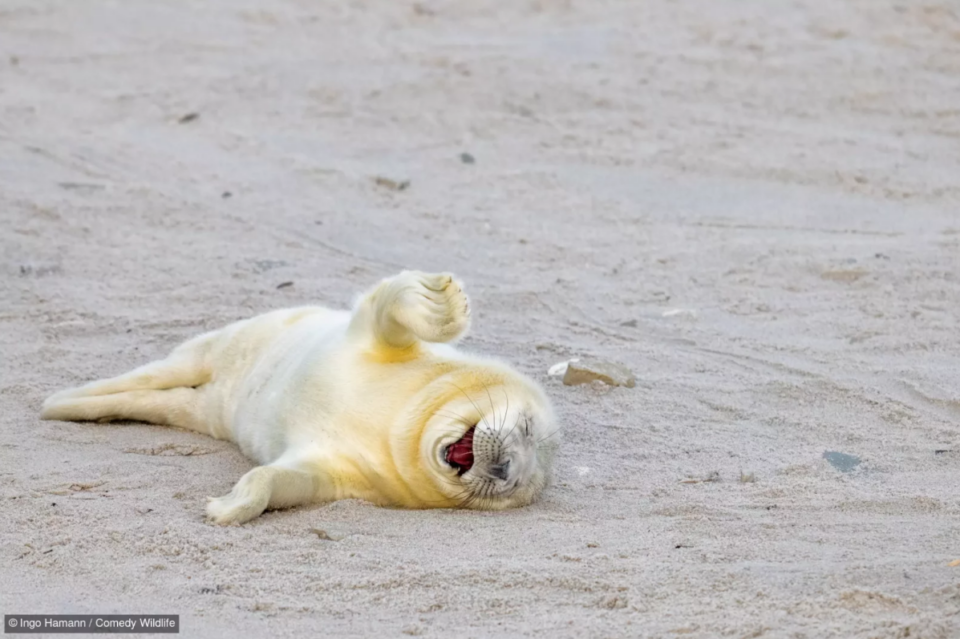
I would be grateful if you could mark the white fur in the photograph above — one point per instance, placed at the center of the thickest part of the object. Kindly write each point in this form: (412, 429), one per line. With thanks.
(337, 404)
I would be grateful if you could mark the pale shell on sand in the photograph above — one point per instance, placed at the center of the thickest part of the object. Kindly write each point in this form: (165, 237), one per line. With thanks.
(583, 371)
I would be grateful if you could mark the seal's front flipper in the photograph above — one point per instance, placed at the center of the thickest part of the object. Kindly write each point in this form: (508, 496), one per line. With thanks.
(264, 487)
(413, 306)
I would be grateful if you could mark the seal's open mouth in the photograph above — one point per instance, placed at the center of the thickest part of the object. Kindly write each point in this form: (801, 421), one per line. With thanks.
(460, 453)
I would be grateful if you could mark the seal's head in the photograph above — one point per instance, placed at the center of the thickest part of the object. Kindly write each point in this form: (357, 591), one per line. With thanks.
(490, 445)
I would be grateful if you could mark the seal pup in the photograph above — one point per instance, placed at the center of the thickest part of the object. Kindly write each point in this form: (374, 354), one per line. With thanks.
(372, 404)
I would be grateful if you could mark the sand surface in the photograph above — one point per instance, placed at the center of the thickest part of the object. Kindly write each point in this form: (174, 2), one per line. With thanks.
(753, 205)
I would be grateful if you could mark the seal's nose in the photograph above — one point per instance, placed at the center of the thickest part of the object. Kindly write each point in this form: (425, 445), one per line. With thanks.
(500, 471)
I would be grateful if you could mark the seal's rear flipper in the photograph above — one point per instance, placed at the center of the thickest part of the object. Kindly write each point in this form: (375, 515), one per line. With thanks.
(184, 367)
(181, 407)
(168, 391)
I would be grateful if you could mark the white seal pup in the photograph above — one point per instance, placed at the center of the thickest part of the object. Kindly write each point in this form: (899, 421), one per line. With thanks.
(368, 404)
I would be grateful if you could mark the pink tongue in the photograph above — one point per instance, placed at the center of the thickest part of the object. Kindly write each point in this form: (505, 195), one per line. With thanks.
(461, 453)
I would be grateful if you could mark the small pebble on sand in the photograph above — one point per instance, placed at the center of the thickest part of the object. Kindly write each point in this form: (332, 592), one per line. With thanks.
(390, 183)
(684, 313)
(327, 535)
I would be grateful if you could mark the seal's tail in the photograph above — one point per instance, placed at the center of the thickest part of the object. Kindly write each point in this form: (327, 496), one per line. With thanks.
(167, 391)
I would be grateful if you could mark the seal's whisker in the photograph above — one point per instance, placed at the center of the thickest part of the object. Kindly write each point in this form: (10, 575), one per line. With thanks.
(467, 501)
(506, 411)
(555, 431)
(513, 428)
(492, 407)
(454, 416)
(469, 399)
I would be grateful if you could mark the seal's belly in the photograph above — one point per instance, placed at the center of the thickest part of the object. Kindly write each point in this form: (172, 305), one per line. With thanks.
(308, 391)
(262, 399)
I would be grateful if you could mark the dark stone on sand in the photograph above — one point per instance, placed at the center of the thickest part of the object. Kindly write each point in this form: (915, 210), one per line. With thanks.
(841, 461)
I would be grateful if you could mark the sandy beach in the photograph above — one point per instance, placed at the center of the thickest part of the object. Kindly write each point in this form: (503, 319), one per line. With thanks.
(755, 206)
